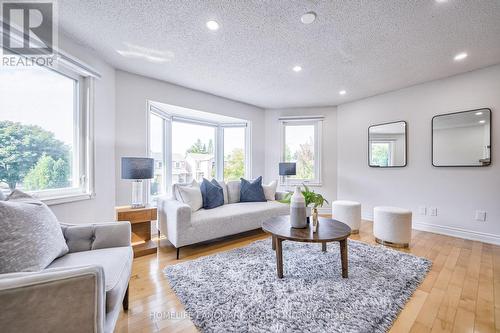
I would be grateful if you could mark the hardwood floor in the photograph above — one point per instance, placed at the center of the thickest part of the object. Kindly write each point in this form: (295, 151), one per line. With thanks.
(461, 293)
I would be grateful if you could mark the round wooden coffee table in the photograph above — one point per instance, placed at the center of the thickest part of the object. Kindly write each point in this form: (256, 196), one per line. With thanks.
(329, 230)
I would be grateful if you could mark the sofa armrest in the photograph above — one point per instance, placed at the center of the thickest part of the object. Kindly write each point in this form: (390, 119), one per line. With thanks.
(53, 300)
(173, 218)
(86, 237)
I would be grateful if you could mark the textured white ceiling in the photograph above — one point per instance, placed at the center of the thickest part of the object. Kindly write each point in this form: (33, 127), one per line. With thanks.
(365, 47)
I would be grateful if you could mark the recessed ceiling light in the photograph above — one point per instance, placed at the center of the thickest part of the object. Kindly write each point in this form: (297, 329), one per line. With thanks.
(213, 25)
(460, 56)
(342, 92)
(297, 68)
(441, 1)
(482, 121)
(308, 18)
(479, 113)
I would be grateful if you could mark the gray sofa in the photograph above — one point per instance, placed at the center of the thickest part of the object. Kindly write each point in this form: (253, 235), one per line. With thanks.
(184, 227)
(82, 291)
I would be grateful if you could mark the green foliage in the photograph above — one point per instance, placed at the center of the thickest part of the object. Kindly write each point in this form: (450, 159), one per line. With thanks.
(304, 157)
(210, 149)
(311, 197)
(200, 148)
(305, 161)
(380, 154)
(21, 146)
(47, 173)
(234, 166)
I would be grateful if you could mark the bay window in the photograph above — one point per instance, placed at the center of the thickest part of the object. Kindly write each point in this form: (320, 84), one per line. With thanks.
(192, 148)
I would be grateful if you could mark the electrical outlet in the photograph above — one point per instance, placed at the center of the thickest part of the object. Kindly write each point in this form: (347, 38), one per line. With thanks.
(433, 211)
(422, 210)
(480, 215)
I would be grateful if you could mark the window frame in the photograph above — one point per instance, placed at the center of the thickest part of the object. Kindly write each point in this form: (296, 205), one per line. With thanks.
(83, 133)
(168, 120)
(317, 122)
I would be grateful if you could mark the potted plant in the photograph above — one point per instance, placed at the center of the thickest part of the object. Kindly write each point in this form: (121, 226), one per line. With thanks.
(311, 198)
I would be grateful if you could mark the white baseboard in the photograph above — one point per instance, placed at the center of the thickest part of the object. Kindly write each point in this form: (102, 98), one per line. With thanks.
(453, 231)
(458, 232)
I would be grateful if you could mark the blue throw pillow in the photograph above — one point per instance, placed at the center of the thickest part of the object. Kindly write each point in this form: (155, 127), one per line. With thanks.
(212, 194)
(252, 191)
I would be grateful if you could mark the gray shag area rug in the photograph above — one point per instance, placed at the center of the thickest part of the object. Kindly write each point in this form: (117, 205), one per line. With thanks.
(238, 290)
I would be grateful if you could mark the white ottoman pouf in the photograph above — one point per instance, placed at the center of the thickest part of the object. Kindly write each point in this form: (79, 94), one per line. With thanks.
(348, 212)
(392, 226)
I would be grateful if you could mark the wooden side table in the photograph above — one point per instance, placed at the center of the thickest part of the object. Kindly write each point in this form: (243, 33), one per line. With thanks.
(140, 220)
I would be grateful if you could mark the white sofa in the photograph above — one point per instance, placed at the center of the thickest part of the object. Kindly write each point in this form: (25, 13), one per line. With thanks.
(184, 227)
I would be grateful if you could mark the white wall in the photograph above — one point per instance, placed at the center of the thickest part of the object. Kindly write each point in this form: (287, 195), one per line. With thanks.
(455, 192)
(329, 149)
(100, 208)
(132, 94)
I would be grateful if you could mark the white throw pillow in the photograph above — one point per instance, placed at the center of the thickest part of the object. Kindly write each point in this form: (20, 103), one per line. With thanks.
(191, 195)
(270, 190)
(30, 235)
(175, 189)
(233, 191)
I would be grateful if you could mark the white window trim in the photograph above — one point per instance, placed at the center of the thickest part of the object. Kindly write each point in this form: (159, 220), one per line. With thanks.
(218, 145)
(84, 139)
(85, 76)
(317, 121)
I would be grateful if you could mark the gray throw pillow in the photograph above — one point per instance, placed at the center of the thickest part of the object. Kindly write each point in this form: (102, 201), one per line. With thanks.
(30, 235)
(212, 193)
(252, 191)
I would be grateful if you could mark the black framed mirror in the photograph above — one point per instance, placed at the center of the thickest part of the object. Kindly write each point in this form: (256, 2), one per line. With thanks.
(387, 145)
(462, 139)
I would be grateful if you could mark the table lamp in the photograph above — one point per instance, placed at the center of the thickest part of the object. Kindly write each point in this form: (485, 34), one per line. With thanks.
(137, 169)
(287, 169)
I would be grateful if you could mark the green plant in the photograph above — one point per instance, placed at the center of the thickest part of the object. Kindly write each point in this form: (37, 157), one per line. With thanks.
(21, 148)
(311, 197)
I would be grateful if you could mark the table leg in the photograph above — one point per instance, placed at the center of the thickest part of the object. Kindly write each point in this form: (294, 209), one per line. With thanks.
(274, 242)
(323, 246)
(279, 257)
(343, 255)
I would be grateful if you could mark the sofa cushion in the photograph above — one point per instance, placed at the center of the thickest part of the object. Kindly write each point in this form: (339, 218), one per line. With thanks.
(30, 235)
(212, 194)
(116, 263)
(270, 190)
(233, 191)
(252, 191)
